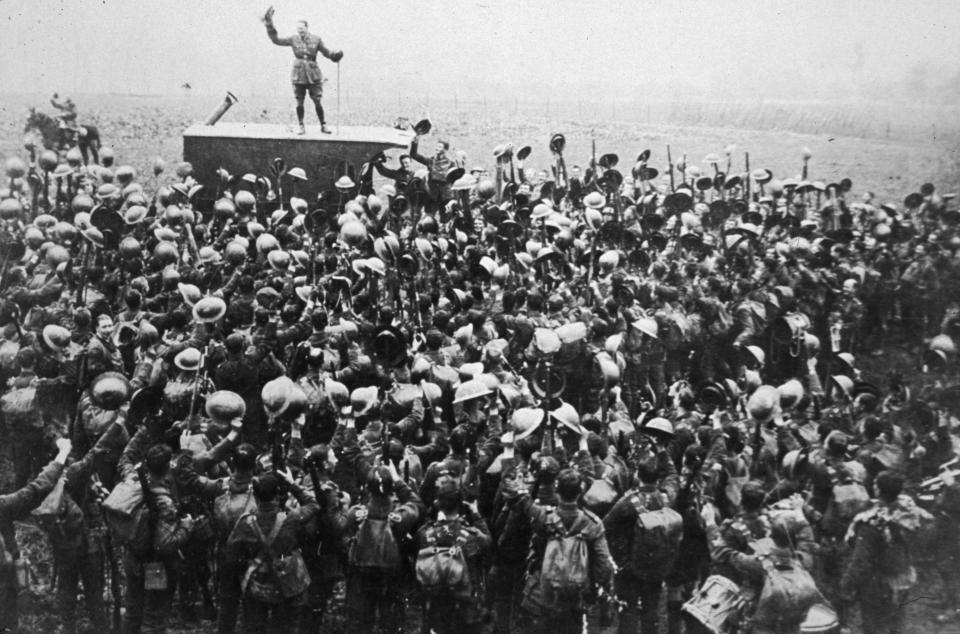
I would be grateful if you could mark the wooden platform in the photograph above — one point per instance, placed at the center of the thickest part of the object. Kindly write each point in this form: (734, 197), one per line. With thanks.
(240, 148)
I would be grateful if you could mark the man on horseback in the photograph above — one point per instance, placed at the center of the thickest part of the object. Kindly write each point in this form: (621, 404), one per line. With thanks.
(68, 112)
(63, 131)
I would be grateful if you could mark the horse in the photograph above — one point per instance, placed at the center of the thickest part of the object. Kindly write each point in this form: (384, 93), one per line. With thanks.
(58, 137)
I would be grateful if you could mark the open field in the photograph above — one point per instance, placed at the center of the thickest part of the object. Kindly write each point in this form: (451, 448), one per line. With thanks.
(885, 149)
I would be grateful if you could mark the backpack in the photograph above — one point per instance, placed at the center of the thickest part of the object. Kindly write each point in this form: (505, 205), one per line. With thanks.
(229, 507)
(565, 572)
(599, 498)
(656, 540)
(442, 569)
(375, 547)
(788, 593)
(848, 497)
(271, 577)
(60, 517)
(19, 408)
(127, 516)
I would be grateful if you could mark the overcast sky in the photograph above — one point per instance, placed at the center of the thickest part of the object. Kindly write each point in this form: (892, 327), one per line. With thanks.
(528, 48)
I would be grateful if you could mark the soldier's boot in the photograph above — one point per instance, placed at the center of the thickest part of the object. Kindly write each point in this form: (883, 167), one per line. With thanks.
(324, 128)
(301, 129)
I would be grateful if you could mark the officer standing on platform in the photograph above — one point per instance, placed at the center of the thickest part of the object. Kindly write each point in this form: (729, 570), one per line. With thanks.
(305, 75)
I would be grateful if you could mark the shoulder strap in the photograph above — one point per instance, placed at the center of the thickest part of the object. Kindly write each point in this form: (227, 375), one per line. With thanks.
(266, 541)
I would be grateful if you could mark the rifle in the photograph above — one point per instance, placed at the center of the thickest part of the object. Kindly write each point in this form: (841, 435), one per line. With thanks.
(593, 160)
(81, 380)
(315, 481)
(201, 379)
(116, 592)
(747, 179)
(276, 456)
(83, 274)
(670, 169)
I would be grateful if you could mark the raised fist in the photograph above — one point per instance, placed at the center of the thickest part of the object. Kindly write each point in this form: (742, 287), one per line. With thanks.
(63, 445)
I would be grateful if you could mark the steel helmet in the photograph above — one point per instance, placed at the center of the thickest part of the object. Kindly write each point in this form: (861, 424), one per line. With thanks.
(184, 169)
(244, 200)
(209, 309)
(790, 393)
(277, 396)
(364, 399)
(166, 252)
(33, 236)
(223, 406)
(297, 173)
(567, 416)
(353, 233)
(757, 353)
(125, 174)
(266, 243)
(594, 200)
(45, 221)
(376, 266)
(15, 167)
(235, 253)
(224, 208)
(659, 425)
(188, 359)
(943, 343)
(10, 208)
(763, 404)
(278, 260)
(609, 259)
(135, 214)
(789, 463)
(470, 390)
(208, 254)
(526, 420)
(337, 392)
(110, 390)
(646, 325)
(843, 383)
(190, 293)
(431, 392)
(56, 337)
(57, 255)
(849, 362)
(812, 344)
(486, 189)
(74, 157)
(387, 247)
(169, 274)
(82, 202)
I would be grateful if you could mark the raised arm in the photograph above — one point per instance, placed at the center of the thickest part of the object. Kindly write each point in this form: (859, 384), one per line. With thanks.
(415, 152)
(272, 30)
(18, 504)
